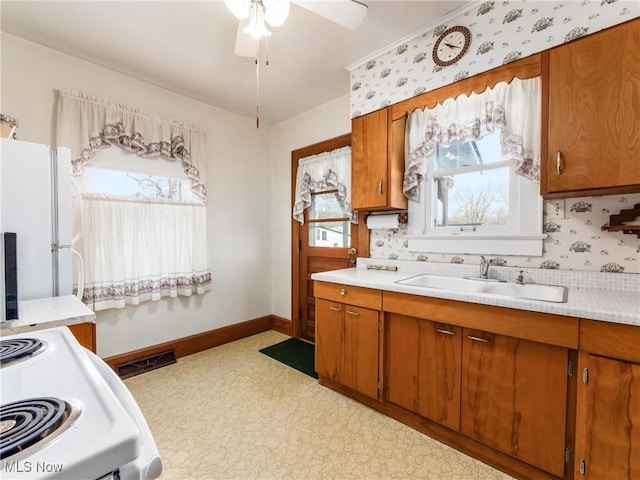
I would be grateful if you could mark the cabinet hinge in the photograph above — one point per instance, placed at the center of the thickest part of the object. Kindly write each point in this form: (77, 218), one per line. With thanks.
(379, 325)
(570, 369)
(379, 385)
(585, 376)
(583, 467)
(566, 456)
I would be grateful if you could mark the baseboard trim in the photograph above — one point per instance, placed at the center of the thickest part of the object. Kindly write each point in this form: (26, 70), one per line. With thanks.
(200, 341)
(282, 325)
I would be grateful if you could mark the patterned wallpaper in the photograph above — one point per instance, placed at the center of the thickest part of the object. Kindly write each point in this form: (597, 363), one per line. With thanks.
(575, 240)
(502, 31)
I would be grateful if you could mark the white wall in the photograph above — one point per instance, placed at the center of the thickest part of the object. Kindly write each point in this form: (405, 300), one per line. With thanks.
(237, 177)
(322, 123)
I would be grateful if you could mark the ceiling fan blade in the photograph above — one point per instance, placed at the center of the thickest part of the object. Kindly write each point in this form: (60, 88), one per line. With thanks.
(246, 45)
(347, 13)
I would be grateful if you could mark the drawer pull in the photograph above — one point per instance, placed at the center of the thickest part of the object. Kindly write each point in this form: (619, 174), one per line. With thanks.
(343, 292)
(446, 332)
(559, 163)
(335, 309)
(353, 313)
(477, 339)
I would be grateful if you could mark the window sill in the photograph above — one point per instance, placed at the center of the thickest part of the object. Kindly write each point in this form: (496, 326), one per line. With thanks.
(473, 243)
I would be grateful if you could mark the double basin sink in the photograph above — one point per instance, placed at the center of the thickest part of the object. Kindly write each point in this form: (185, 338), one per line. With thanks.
(530, 291)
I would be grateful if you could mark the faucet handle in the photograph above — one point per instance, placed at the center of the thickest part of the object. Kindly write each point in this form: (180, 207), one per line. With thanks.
(520, 278)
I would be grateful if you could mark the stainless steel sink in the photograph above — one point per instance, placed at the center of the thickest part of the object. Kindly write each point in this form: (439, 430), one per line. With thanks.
(531, 291)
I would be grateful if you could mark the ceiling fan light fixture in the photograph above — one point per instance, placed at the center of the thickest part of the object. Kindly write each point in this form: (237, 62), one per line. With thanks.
(276, 11)
(257, 27)
(239, 8)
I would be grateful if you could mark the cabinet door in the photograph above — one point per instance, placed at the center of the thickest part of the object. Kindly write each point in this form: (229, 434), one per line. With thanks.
(423, 373)
(329, 339)
(360, 350)
(608, 427)
(514, 395)
(594, 100)
(369, 161)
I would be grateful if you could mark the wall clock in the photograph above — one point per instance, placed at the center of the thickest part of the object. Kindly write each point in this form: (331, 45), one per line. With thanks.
(451, 45)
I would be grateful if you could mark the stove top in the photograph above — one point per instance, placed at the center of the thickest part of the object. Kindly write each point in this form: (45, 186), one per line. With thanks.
(18, 349)
(33, 422)
(59, 412)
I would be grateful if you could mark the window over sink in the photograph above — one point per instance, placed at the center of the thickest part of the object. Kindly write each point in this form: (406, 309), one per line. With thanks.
(472, 173)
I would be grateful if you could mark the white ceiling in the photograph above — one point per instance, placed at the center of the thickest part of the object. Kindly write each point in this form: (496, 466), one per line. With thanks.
(187, 47)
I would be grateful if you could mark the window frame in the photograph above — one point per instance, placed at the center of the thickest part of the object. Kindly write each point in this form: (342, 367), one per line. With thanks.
(529, 241)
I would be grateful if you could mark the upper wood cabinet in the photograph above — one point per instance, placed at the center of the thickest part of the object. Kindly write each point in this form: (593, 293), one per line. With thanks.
(592, 87)
(377, 162)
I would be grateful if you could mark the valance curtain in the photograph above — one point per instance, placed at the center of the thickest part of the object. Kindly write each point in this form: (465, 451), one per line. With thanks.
(87, 125)
(322, 172)
(142, 249)
(513, 108)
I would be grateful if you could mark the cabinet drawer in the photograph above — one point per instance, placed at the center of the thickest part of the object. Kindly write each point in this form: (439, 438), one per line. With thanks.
(539, 327)
(348, 294)
(610, 340)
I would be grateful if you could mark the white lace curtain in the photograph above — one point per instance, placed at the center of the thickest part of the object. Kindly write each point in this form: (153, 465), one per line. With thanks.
(87, 125)
(322, 172)
(513, 108)
(136, 249)
(143, 249)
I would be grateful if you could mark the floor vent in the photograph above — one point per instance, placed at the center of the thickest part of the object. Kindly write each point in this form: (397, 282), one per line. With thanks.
(146, 364)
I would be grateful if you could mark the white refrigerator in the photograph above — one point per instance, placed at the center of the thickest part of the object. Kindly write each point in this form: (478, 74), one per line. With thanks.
(35, 203)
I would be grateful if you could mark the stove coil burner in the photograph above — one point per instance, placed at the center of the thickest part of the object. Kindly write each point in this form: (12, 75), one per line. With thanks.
(18, 349)
(27, 422)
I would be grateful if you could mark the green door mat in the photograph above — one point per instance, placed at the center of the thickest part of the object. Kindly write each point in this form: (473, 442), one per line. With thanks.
(295, 353)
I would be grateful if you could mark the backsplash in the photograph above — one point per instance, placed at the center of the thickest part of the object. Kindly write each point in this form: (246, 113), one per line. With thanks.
(575, 241)
(501, 33)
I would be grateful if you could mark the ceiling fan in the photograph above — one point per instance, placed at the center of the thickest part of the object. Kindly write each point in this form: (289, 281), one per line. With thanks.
(255, 15)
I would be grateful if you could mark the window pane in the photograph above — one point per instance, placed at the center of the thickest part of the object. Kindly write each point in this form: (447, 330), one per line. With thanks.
(330, 234)
(117, 182)
(472, 199)
(326, 205)
(459, 155)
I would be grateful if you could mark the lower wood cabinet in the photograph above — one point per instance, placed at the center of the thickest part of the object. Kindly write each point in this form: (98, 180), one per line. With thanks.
(424, 368)
(85, 333)
(514, 397)
(347, 343)
(608, 426)
(491, 381)
(608, 402)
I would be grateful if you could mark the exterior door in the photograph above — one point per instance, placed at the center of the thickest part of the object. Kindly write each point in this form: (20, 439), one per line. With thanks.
(326, 241)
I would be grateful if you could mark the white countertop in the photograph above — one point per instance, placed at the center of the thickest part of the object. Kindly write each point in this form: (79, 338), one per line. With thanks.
(618, 306)
(48, 313)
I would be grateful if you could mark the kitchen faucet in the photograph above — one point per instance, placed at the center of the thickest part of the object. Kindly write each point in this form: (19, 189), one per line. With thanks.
(484, 267)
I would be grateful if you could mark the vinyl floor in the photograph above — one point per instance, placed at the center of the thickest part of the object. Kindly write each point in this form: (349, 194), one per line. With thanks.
(233, 413)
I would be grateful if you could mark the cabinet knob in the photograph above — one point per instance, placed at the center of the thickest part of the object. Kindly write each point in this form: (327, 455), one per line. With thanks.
(343, 292)
(559, 163)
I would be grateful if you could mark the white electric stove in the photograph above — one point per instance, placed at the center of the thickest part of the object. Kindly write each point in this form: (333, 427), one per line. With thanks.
(65, 414)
